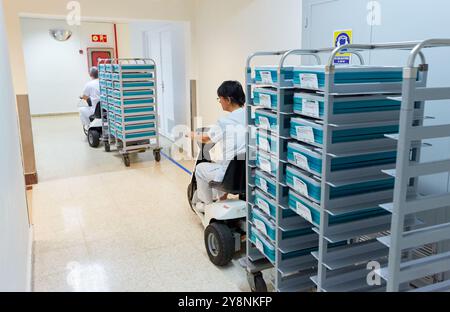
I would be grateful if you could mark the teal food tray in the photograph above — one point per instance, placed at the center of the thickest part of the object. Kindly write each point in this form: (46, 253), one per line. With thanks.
(309, 131)
(313, 77)
(311, 212)
(265, 119)
(263, 224)
(304, 183)
(269, 74)
(310, 159)
(266, 183)
(267, 142)
(267, 163)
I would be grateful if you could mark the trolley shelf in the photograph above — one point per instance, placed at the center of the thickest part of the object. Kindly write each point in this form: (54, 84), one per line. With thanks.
(349, 255)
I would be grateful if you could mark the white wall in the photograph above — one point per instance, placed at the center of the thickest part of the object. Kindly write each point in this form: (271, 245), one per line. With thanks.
(227, 32)
(14, 229)
(401, 20)
(179, 111)
(56, 71)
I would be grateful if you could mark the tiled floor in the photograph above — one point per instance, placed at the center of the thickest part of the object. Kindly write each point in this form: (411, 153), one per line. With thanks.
(102, 227)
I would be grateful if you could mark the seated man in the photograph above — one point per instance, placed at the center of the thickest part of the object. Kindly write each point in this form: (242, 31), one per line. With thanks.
(230, 131)
(91, 94)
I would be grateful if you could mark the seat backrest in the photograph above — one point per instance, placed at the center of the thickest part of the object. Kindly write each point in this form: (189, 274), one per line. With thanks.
(234, 181)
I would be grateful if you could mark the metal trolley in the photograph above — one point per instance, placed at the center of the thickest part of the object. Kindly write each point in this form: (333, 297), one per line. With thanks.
(316, 173)
(130, 106)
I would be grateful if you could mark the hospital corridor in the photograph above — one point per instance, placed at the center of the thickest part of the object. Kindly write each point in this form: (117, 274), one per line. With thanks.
(100, 227)
(203, 155)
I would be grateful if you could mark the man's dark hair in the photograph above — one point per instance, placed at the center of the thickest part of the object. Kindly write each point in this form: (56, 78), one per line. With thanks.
(232, 90)
(94, 72)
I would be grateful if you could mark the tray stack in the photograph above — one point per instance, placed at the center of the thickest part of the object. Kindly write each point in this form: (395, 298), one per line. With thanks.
(128, 91)
(319, 137)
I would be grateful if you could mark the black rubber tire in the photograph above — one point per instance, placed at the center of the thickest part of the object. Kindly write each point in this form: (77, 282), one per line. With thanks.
(260, 284)
(126, 160)
(190, 195)
(157, 155)
(93, 138)
(256, 282)
(107, 147)
(225, 243)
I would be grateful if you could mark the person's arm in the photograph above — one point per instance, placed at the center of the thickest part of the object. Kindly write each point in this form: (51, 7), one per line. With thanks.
(202, 138)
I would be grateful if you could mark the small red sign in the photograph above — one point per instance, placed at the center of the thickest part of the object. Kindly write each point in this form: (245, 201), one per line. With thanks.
(100, 38)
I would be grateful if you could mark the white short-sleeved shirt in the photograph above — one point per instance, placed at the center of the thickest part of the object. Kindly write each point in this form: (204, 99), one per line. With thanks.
(230, 131)
(92, 90)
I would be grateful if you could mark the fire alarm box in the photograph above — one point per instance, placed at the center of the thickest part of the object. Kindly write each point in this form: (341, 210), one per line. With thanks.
(94, 54)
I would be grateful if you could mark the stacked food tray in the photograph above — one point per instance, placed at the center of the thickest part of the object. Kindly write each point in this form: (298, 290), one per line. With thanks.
(318, 145)
(129, 100)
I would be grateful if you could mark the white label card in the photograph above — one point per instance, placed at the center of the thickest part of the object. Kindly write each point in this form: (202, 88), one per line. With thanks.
(263, 206)
(311, 108)
(260, 226)
(301, 161)
(264, 122)
(260, 246)
(309, 81)
(264, 185)
(266, 77)
(266, 165)
(305, 133)
(304, 212)
(265, 100)
(264, 144)
(301, 187)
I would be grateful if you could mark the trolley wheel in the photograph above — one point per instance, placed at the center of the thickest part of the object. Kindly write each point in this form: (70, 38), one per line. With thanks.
(107, 147)
(256, 282)
(157, 155)
(93, 138)
(126, 160)
(219, 243)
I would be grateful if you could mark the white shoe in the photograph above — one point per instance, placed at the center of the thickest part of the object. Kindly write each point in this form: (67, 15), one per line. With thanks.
(200, 207)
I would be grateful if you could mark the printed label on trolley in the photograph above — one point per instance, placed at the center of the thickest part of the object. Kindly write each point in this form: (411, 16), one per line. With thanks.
(260, 246)
(263, 185)
(263, 206)
(266, 77)
(304, 212)
(265, 100)
(260, 226)
(266, 165)
(309, 81)
(305, 133)
(264, 122)
(310, 108)
(264, 144)
(301, 161)
(301, 187)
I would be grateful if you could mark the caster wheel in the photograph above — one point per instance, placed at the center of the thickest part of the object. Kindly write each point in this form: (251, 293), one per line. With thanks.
(157, 155)
(107, 147)
(256, 282)
(126, 160)
(219, 243)
(93, 138)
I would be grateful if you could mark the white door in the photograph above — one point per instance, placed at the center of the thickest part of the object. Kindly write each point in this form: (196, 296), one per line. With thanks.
(159, 48)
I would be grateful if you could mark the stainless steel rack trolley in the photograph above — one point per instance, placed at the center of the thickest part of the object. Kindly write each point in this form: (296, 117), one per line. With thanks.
(129, 106)
(321, 140)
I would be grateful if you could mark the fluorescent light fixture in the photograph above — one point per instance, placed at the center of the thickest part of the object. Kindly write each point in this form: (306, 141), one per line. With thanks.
(61, 34)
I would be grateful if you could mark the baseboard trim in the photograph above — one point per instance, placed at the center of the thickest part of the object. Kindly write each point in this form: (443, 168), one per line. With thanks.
(30, 260)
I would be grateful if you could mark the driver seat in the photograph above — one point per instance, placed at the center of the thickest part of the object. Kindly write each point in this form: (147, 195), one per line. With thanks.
(234, 181)
(97, 112)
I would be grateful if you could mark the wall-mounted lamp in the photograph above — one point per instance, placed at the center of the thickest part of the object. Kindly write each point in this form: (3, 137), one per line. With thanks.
(60, 34)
